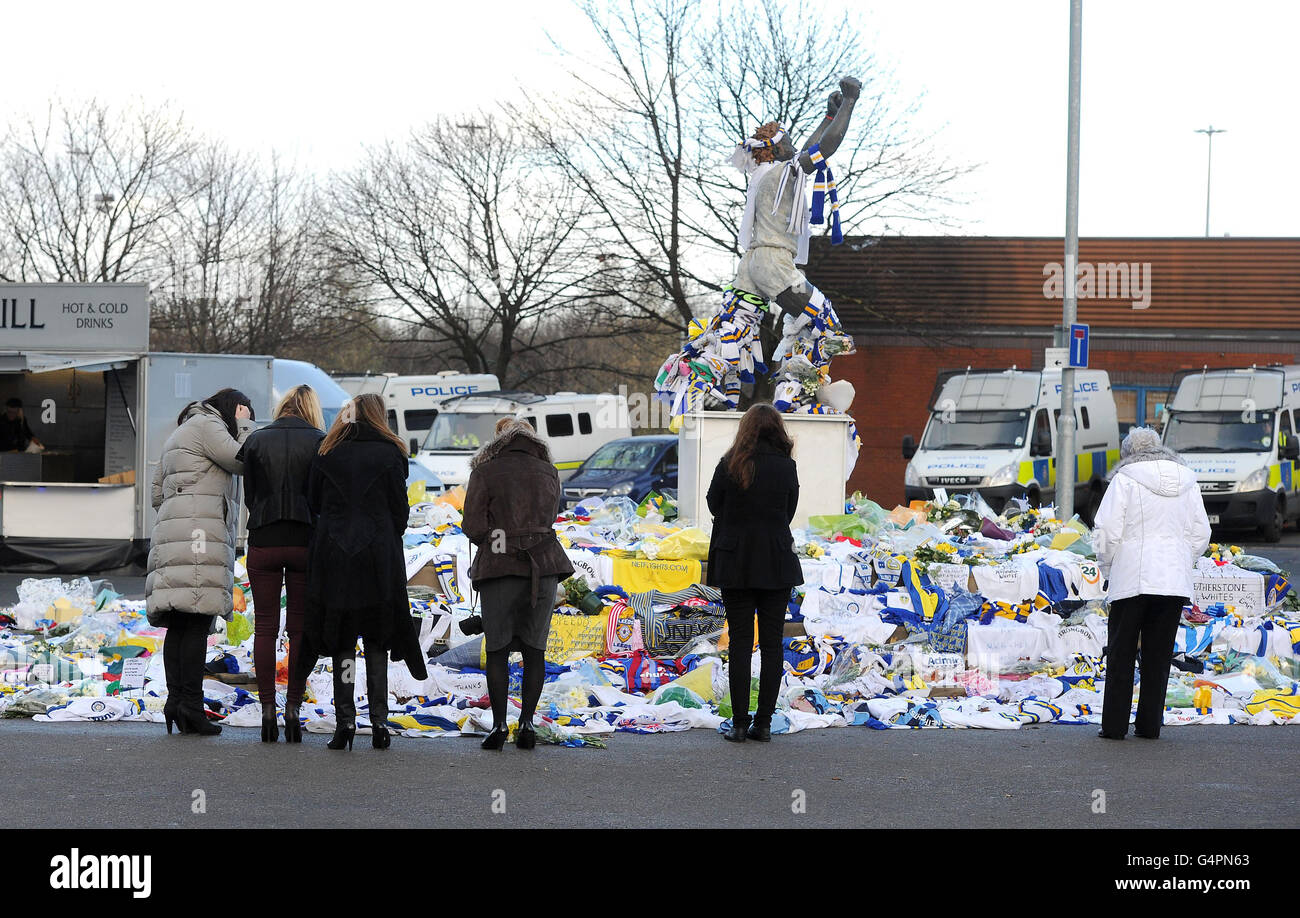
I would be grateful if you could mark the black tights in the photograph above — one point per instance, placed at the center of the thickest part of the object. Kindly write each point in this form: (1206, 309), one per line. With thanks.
(498, 679)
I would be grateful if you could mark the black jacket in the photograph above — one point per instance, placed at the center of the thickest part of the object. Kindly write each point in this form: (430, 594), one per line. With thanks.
(751, 546)
(356, 566)
(277, 460)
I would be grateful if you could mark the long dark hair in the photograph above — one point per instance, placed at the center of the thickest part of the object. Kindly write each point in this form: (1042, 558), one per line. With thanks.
(225, 401)
(365, 410)
(761, 424)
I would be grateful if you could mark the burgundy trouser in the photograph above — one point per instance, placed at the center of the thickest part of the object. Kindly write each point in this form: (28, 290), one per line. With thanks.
(268, 568)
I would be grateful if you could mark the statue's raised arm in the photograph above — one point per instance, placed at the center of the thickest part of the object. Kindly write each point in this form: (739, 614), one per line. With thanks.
(828, 135)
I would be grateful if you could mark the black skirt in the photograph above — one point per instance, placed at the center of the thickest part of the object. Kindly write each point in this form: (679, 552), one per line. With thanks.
(509, 614)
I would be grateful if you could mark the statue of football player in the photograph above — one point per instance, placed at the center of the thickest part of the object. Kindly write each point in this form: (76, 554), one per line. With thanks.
(775, 229)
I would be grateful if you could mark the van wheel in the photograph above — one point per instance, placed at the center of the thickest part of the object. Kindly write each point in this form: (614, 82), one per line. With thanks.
(1035, 498)
(1272, 532)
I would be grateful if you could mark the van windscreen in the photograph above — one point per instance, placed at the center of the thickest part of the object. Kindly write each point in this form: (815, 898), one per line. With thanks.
(1219, 431)
(462, 431)
(976, 430)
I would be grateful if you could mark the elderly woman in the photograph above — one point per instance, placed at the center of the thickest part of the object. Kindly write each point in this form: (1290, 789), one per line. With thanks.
(509, 508)
(1150, 529)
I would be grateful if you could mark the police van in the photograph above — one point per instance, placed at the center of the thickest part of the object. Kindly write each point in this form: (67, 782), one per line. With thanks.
(412, 402)
(994, 431)
(1236, 430)
(573, 425)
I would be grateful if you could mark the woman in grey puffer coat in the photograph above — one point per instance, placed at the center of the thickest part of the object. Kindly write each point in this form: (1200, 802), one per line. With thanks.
(192, 555)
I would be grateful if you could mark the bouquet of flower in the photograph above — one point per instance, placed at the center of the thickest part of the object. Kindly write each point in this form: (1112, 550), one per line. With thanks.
(1224, 554)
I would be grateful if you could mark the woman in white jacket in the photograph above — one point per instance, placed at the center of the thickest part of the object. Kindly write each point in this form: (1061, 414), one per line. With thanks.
(1149, 531)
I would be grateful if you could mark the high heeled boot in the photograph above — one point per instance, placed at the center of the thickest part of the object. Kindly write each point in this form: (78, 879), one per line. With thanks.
(345, 704)
(192, 710)
(377, 691)
(175, 682)
(270, 728)
(292, 722)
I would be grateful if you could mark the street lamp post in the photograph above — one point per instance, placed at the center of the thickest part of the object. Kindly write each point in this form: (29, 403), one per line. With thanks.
(1065, 426)
(1209, 133)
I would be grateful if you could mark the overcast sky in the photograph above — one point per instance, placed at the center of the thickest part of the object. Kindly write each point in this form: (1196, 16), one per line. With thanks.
(320, 80)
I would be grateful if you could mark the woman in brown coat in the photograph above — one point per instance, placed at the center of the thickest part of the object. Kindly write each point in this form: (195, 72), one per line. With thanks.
(509, 508)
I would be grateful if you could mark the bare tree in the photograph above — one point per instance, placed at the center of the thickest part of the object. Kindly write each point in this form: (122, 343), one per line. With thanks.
(84, 194)
(676, 86)
(478, 246)
(241, 270)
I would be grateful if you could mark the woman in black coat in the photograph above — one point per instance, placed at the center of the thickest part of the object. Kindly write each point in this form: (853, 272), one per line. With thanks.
(277, 460)
(356, 565)
(753, 496)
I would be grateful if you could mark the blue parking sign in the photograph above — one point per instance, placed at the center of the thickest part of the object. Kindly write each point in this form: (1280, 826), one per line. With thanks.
(1079, 346)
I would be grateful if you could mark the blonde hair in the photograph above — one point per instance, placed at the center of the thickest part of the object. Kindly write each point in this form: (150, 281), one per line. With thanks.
(366, 409)
(301, 402)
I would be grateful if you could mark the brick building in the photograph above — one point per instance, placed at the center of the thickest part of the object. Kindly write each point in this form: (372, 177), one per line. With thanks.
(918, 305)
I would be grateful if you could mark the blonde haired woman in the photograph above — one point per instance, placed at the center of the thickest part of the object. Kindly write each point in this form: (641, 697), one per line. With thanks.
(356, 565)
(277, 460)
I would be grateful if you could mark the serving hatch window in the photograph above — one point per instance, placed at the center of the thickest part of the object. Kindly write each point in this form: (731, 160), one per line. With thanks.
(1000, 429)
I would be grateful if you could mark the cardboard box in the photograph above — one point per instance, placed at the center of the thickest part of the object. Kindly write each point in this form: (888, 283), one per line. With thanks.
(426, 576)
(947, 691)
(120, 478)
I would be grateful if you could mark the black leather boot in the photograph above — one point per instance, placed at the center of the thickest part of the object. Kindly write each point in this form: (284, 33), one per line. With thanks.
(345, 704)
(377, 691)
(526, 735)
(292, 723)
(175, 677)
(343, 734)
(192, 712)
(739, 728)
(760, 730)
(270, 729)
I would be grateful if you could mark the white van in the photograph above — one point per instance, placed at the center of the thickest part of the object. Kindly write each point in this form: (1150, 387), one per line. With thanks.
(574, 425)
(1236, 429)
(995, 432)
(413, 402)
(360, 383)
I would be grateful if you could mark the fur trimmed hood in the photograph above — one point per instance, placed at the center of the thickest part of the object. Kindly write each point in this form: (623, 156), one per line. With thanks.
(1142, 444)
(532, 443)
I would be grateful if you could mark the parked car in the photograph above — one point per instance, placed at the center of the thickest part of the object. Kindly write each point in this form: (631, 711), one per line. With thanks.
(629, 467)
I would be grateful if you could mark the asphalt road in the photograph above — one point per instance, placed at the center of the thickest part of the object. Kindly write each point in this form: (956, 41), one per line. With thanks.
(78, 776)
(109, 775)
